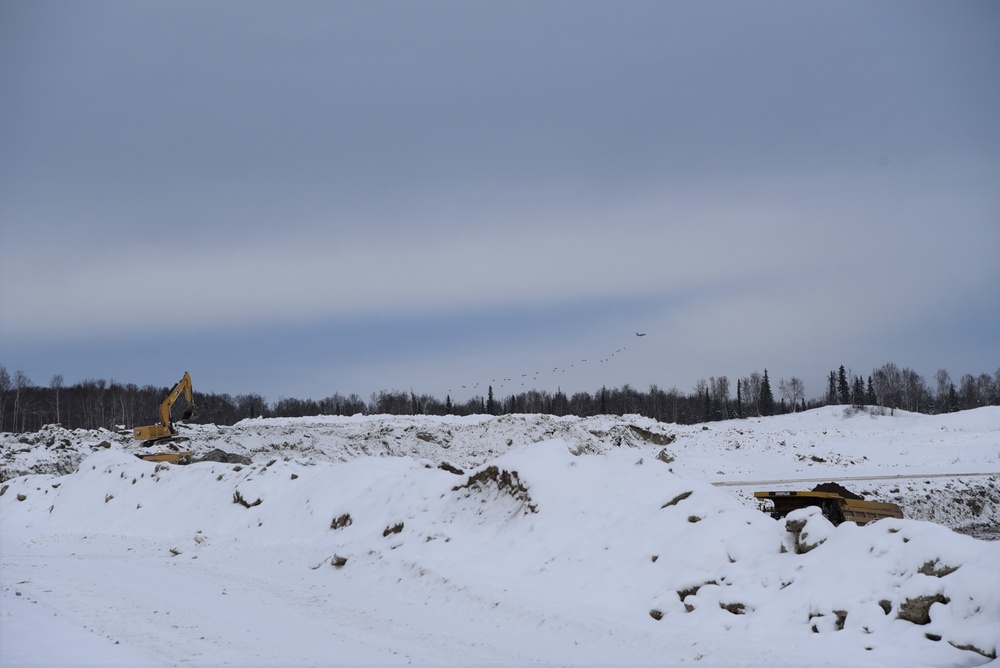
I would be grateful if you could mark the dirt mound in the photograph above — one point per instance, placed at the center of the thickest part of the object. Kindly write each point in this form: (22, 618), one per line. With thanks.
(834, 488)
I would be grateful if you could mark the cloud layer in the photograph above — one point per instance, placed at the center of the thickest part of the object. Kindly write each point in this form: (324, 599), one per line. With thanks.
(784, 182)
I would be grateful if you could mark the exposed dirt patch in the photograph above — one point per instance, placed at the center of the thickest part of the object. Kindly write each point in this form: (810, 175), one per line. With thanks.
(802, 544)
(932, 568)
(973, 648)
(734, 608)
(838, 624)
(238, 498)
(684, 593)
(677, 499)
(506, 482)
(917, 610)
(653, 437)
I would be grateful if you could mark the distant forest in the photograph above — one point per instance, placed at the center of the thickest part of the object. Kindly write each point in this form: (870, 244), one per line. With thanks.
(92, 404)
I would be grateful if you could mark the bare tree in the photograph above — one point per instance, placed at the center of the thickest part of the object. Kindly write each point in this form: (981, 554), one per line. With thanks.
(888, 385)
(915, 393)
(250, 405)
(798, 390)
(986, 390)
(792, 390)
(719, 389)
(968, 392)
(942, 381)
(5, 385)
(21, 385)
(56, 384)
(751, 393)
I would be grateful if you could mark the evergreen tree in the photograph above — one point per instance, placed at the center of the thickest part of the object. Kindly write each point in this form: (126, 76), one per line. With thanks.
(952, 398)
(831, 390)
(843, 389)
(491, 404)
(766, 396)
(870, 397)
(447, 404)
(859, 392)
(739, 398)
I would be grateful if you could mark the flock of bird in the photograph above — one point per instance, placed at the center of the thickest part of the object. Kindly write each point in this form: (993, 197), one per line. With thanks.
(502, 383)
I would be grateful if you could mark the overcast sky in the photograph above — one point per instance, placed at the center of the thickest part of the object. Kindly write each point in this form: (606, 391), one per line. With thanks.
(302, 198)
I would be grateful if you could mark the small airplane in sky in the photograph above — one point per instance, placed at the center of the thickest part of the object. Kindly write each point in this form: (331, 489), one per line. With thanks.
(638, 334)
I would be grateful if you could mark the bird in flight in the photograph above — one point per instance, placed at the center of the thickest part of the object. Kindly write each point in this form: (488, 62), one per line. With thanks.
(638, 334)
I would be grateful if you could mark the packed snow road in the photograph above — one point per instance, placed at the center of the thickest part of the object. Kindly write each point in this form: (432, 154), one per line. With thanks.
(801, 481)
(236, 610)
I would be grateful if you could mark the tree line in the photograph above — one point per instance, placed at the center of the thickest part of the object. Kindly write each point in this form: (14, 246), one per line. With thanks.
(93, 404)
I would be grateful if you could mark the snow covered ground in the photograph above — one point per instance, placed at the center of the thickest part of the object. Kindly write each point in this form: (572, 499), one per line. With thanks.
(502, 541)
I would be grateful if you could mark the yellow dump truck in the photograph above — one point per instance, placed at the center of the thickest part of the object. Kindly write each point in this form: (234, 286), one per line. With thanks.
(835, 507)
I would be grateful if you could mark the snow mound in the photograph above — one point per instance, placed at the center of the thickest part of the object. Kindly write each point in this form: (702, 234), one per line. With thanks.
(594, 554)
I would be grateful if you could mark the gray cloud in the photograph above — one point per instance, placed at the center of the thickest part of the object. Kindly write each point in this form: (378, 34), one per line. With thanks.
(820, 174)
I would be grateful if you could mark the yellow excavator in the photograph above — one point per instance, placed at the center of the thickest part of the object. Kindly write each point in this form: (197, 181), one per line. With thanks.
(164, 430)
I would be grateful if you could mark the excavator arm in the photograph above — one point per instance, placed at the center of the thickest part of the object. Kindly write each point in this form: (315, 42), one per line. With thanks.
(183, 385)
(165, 427)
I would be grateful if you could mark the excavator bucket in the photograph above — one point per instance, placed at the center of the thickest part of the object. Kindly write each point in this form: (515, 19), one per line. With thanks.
(189, 413)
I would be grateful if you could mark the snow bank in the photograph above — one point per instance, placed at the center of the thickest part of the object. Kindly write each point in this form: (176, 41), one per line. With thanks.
(934, 467)
(545, 553)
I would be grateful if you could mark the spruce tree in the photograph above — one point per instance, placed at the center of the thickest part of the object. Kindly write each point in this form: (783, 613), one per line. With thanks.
(843, 389)
(766, 397)
(491, 404)
(870, 397)
(859, 392)
(739, 398)
(831, 390)
(952, 398)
